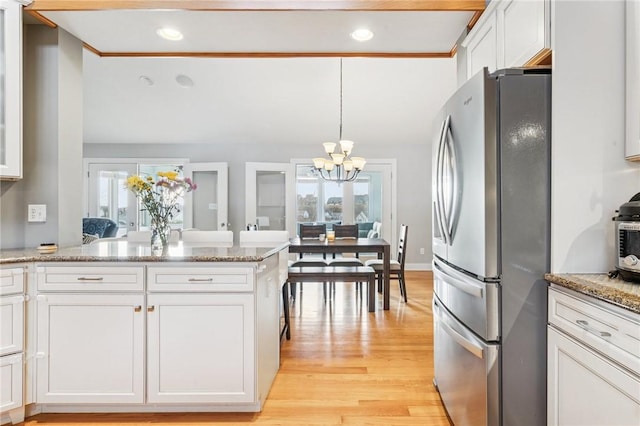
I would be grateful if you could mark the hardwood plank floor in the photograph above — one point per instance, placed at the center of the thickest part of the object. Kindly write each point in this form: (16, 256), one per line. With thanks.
(343, 366)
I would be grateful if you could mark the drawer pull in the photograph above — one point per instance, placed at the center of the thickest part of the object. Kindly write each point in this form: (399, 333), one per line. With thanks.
(90, 279)
(137, 308)
(204, 280)
(151, 308)
(585, 325)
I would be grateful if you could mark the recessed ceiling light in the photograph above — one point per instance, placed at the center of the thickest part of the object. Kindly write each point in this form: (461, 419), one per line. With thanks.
(145, 80)
(184, 81)
(362, 34)
(169, 34)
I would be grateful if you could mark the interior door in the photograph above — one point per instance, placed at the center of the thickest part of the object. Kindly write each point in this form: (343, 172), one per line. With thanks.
(109, 197)
(206, 208)
(270, 196)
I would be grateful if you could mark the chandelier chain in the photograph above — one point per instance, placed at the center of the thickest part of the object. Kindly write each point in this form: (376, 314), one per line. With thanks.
(340, 138)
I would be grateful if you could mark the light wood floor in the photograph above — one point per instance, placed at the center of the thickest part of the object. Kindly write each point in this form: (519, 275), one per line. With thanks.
(343, 366)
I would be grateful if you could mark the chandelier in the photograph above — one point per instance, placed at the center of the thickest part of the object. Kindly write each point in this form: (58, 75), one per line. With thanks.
(338, 166)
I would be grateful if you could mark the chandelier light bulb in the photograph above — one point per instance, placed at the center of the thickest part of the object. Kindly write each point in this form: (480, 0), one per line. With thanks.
(337, 158)
(329, 147)
(318, 163)
(328, 165)
(346, 147)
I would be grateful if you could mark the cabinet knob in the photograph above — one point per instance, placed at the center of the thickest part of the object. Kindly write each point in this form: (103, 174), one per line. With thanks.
(137, 308)
(151, 308)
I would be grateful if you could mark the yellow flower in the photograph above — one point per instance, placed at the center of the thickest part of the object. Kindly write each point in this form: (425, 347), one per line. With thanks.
(168, 175)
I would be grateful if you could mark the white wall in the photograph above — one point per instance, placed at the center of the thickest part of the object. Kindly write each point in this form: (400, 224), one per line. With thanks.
(590, 177)
(52, 144)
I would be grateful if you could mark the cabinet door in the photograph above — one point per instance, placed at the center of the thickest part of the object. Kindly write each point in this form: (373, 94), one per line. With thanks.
(11, 324)
(200, 348)
(587, 389)
(524, 32)
(90, 348)
(10, 382)
(481, 48)
(632, 150)
(10, 90)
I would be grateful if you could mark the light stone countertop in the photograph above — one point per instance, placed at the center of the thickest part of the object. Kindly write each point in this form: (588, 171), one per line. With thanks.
(612, 290)
(123, 251)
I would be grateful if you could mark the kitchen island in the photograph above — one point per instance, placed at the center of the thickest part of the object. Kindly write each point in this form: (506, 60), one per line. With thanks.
(114, 328)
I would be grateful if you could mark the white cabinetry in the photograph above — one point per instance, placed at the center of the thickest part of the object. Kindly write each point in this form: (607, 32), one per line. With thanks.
(593, 362)
(213, 333)
(12, 343)
(90, 345)
(510, 33)
(11, 90)
(201, 348)
(482, 46)
(632, 148)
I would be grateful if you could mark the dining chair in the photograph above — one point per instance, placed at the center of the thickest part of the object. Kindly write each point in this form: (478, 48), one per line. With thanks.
(145, 236)
(261, 237)
(207, 237)
(396, 269)
(309, 231)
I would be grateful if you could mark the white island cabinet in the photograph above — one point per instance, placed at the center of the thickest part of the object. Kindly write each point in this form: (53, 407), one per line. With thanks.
(90, 344)
(593, 362)
(147, 335)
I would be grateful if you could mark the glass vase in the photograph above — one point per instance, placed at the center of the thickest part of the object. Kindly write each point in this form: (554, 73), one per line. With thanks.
(160, 231)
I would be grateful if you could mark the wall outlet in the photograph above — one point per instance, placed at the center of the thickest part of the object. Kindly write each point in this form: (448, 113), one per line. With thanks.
(37, 213)
(421, 250)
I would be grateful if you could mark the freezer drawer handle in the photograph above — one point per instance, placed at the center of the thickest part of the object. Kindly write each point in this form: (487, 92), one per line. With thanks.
(459, 284)
(90, 279)
(585, 325)
(205, 280)
(468, 345)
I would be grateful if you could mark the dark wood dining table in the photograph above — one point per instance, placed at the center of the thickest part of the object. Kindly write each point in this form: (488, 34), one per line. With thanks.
(349, 245)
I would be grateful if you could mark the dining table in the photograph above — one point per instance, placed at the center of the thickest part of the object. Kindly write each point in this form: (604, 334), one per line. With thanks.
(349, 245)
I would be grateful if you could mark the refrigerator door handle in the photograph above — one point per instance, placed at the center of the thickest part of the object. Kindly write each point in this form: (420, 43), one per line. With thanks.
(470, 346)
(462, 285)
(439, 196)
(454, 181)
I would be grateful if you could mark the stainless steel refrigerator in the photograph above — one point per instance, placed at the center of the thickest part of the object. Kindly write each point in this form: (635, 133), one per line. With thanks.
(491, 233)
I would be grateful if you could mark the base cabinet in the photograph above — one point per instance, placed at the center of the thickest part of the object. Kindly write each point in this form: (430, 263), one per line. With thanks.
(90, 348)
(200, 348)
(593, 362)
(586, 389)
(12, 337)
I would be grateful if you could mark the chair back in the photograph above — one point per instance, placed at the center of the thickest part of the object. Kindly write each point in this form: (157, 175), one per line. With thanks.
(207, 237)
(258, 237)
(375, 230)
(402, 245)
(103, 227)
(346, 231)
(312, 231)
(145, 236)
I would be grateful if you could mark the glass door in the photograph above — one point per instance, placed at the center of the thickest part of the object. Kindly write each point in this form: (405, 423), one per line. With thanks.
(270, 191)
(108, 195)
(206, 208)
(366, 200)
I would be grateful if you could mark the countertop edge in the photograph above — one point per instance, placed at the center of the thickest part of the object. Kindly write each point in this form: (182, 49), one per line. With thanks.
(34, 257)
(615, 291)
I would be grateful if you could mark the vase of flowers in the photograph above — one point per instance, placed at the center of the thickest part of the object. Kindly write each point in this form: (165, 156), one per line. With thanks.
(159, 197)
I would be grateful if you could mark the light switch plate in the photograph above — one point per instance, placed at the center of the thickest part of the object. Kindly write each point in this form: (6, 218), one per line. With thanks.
(37, 213)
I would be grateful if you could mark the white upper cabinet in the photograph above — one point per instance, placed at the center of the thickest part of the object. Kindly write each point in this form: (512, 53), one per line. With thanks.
(526, 30)
(11, 90)
(510, 33)
(481, 47)
(632, 150)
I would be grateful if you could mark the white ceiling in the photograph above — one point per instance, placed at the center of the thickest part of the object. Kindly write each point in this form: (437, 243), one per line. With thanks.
(252, 99)
(134, 31)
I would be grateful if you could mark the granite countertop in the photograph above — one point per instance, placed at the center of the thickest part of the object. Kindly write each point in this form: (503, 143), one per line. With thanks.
(613, 290)
(123, 251)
